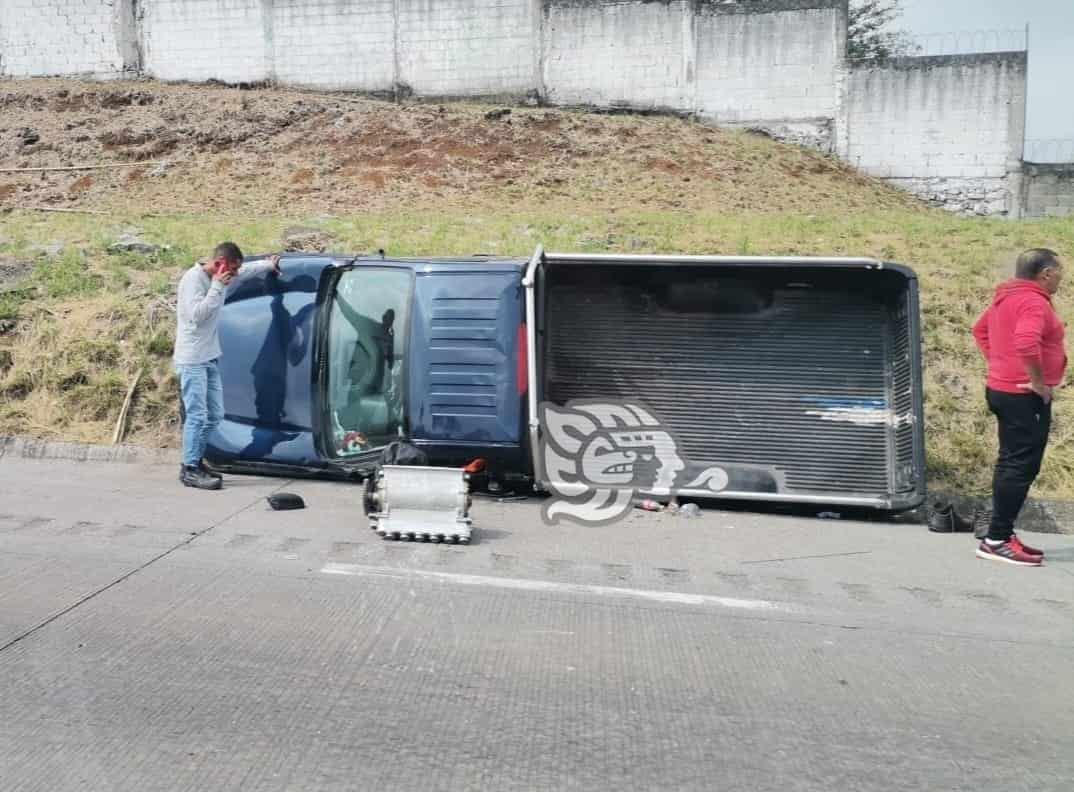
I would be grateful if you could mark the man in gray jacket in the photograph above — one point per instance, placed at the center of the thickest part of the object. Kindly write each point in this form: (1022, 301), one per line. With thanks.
(197, 350)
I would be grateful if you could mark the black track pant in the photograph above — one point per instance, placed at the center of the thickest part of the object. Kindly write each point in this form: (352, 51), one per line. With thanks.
(1024, 423)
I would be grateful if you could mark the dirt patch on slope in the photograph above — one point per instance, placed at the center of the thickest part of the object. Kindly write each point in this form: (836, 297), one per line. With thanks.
(193, 148)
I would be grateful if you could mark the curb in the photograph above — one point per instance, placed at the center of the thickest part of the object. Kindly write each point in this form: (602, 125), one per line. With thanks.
(1047, 517)
(84, 452)
(1038, 516)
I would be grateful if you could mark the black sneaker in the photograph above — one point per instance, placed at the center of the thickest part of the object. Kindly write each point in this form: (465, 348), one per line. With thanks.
(194, 477)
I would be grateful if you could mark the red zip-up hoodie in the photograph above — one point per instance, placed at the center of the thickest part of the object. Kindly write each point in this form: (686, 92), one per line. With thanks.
(1019, 327)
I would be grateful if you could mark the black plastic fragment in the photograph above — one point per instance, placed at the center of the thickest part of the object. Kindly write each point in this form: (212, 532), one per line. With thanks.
(285, 501)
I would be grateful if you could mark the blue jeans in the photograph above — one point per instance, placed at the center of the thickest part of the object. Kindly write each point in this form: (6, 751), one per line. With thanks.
(203, 403)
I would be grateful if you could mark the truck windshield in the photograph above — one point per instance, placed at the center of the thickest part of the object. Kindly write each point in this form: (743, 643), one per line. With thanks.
(366, 346)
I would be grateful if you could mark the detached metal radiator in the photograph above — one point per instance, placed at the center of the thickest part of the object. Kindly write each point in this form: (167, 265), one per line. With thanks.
(423, 504)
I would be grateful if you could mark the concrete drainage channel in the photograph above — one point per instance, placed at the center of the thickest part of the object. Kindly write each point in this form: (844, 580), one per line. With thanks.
(1040, 516)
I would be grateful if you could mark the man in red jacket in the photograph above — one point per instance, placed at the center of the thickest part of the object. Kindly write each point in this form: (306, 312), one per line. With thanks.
(1022, 339)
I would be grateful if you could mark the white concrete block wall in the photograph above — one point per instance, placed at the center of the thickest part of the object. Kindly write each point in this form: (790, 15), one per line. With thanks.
(933, 117)
(947, 128)
(200, 40)
(334, 44)
(54, 37)
(777, 64)
(467, 47)
(607, 53)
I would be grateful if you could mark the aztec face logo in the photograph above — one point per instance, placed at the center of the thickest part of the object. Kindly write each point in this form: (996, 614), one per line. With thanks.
(598, 456)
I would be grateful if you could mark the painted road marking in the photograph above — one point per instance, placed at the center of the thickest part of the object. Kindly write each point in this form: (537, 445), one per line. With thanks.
(546, 586)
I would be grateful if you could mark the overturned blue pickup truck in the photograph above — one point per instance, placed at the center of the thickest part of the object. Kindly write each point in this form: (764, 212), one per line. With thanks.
(798, 378)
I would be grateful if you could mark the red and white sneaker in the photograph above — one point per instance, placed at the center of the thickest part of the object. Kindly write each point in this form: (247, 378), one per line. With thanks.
(1026, 548)
(1010, 552)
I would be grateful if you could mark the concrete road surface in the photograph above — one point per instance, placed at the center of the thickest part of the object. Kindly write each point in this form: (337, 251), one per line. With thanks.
(158, 638)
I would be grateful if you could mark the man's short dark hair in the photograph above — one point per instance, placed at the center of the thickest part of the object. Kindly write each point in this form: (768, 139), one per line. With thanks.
(229, 251)
(1033, 262)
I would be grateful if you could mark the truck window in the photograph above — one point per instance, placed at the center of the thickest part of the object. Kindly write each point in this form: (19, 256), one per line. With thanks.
(366, 347)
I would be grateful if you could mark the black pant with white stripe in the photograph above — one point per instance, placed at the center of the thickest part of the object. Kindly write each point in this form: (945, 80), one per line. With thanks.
(1024, 423)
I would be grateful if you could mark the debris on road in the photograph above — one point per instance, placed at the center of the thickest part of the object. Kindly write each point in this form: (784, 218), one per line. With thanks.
(689, 510)
(285, 501)
(419, 504)
(648, 505)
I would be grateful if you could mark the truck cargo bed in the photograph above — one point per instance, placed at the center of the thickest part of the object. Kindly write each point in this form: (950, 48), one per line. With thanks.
(799, 377)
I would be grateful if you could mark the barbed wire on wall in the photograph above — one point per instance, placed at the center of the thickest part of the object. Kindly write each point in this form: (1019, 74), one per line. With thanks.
(1049, 150)
(966, 42)
(960, 42)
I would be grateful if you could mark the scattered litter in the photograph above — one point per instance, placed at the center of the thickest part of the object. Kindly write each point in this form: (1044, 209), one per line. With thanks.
(830, 516)
(689, 510)
(648, 505)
